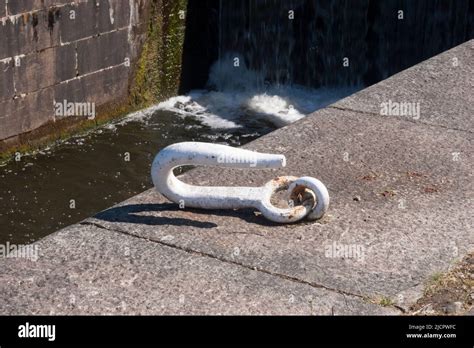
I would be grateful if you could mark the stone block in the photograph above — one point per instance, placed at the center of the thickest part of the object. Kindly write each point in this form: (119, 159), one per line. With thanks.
(45, 68)
(113, 14)
(2, 9)
(100, 88)
(94, 17)
(79, 21)
(26, 113)
(103, 51)
(10, 38)
(29, 33)
(6, 80)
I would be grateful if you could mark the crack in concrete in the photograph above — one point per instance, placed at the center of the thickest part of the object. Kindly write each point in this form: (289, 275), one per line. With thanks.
(253, 268)
(398, 118)
(247, 233)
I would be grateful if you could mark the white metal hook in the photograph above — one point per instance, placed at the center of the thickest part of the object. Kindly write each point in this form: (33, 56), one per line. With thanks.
(221, 197)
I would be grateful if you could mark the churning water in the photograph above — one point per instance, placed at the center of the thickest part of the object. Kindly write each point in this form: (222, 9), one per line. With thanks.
(240, 97)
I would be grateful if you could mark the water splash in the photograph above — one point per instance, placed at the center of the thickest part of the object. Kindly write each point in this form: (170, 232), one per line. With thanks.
(238, 96)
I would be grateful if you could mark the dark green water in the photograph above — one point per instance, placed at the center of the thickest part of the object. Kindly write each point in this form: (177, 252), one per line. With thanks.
(62, 185)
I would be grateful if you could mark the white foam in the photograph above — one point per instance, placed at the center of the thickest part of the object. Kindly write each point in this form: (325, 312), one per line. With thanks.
(201, 108)
(242, 94)
(279, 105)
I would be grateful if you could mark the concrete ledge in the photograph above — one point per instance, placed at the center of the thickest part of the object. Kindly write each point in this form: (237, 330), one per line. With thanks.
(87, 270)
(443, 85)
(400, 189)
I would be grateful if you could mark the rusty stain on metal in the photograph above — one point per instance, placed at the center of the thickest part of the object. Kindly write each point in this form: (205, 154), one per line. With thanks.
(309, 192)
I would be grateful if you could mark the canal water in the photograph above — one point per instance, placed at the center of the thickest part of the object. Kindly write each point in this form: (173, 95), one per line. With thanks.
(72, 180)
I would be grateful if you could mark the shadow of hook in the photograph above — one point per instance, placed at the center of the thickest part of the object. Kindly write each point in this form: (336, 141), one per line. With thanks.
(129, 214)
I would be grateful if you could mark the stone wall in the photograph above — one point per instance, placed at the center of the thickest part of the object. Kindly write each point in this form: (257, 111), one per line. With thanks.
(78, 51)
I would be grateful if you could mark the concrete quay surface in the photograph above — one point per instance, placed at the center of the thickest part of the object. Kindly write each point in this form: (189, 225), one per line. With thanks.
(401, 192)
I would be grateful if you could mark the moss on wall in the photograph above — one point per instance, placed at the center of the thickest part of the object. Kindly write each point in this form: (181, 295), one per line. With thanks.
(173, 42)
(159, 67)
(60, 130)
(147, 83)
